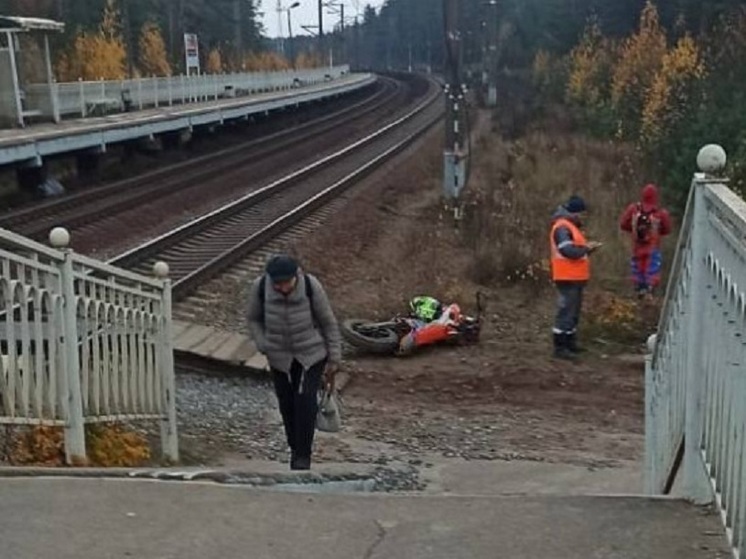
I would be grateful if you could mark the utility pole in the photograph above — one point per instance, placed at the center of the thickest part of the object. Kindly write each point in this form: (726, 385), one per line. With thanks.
(181, 28)
(492, 32)
(334, 9)
(322, 52)
(390, 34)
(343, 53)
(356, 47)
(454, 153)
(128, 38)
(238, 35)
(291, 50)
(280, 39)
(171, 16)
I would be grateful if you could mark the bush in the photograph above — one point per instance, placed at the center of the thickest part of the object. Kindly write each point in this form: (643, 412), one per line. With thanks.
(515, 189)
(107, 446)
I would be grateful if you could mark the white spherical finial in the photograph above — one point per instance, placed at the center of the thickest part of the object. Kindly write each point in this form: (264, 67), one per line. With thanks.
(652, 339)
(160, 269)
(59, 237)
(711, 159)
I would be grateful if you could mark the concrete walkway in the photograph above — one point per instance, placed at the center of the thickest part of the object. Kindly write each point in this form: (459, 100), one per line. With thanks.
(102, 519)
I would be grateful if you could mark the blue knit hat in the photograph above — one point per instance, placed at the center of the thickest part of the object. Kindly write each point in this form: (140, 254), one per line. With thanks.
(575, 205)
(281, 268)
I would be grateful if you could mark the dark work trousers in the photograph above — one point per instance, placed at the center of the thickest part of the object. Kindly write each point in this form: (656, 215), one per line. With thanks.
(299, 404)
(569, 303)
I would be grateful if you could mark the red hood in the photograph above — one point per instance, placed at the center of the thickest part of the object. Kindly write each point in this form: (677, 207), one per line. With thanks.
(649, 198)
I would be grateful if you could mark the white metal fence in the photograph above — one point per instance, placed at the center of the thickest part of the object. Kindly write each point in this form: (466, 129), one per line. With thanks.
(696, 374)
(96, 98)
(82, 342)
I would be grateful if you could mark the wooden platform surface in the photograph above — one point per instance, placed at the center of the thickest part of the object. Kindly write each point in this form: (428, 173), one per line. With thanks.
(218, 345)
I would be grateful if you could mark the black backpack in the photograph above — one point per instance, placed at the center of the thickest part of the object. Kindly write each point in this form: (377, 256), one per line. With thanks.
(643, 225)
(263, 289)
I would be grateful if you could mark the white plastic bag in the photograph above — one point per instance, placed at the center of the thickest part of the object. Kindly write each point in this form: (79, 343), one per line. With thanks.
(328, 418)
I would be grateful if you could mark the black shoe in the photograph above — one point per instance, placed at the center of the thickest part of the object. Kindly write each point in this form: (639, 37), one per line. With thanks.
(572, 344)
(300, 463)
(561, 349)
(564, 353)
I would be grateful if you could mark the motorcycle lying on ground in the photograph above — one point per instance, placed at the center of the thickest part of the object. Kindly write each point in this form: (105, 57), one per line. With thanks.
(402, 335)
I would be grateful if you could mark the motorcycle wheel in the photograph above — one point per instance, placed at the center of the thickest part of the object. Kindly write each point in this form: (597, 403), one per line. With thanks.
(372, 340)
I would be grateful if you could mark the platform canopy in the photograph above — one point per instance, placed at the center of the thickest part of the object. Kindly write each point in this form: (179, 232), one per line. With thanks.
(11, 27)
(20, 24)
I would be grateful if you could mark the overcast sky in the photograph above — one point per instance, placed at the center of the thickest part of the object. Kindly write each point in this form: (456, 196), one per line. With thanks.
(307, 14)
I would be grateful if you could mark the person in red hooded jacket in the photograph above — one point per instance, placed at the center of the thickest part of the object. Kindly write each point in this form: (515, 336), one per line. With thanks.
(647, 223)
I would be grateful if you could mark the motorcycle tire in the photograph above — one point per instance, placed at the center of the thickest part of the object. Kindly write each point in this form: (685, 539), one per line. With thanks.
(385, 341)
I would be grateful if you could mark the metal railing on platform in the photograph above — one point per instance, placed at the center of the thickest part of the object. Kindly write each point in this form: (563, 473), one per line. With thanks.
(696, 372)
(82, 342)
(98, 98)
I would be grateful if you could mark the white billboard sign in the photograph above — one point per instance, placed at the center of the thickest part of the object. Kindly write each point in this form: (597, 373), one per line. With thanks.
(191, 52)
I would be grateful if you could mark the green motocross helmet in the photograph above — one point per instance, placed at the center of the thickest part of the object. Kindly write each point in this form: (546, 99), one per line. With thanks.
(425, 308)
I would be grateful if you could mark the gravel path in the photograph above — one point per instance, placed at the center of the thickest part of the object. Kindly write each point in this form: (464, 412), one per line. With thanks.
(228, 414)
(239, 415)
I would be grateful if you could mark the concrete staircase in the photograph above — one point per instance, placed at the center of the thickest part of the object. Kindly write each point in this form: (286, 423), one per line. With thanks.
(525, 516)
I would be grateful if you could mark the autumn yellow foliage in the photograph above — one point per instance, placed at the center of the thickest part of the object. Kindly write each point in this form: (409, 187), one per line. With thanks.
(115, 446)
(266, 62)
(541, 68)
(107, 445)
(153, 54)
(590, 64)
(640, 59)
(617, 318)
(97, 55)
(306, 60)
(38, 446)
(617, 311)
(214, 63)
(669, 94)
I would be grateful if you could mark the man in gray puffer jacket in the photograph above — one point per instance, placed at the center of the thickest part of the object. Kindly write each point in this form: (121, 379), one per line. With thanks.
(293, 324)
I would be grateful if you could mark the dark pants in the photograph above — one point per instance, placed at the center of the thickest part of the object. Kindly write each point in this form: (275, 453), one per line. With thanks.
(299, 404)
(569, 304)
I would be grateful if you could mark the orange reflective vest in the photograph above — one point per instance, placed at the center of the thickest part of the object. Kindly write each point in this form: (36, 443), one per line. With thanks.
(565, 269)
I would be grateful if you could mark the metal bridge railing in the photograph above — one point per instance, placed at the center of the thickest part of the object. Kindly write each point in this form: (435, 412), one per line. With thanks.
(96, 98)
(82, 342)
(696, 372)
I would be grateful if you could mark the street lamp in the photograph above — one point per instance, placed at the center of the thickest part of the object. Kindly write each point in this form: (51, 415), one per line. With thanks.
(290, 34)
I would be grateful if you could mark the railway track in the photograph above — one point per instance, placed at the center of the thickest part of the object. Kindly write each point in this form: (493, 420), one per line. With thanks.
(206, 247)
(212, 302)
(88, 207)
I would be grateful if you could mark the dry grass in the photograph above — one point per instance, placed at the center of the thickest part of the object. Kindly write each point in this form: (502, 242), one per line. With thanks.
(516, 187)
(399, 241)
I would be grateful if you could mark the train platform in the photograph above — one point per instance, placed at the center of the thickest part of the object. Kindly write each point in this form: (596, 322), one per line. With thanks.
(29, 146)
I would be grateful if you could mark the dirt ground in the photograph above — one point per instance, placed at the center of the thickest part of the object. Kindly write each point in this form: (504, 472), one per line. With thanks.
(504, 398)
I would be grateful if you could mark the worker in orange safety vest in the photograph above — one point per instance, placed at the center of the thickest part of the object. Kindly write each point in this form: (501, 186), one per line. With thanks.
(571, 270)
